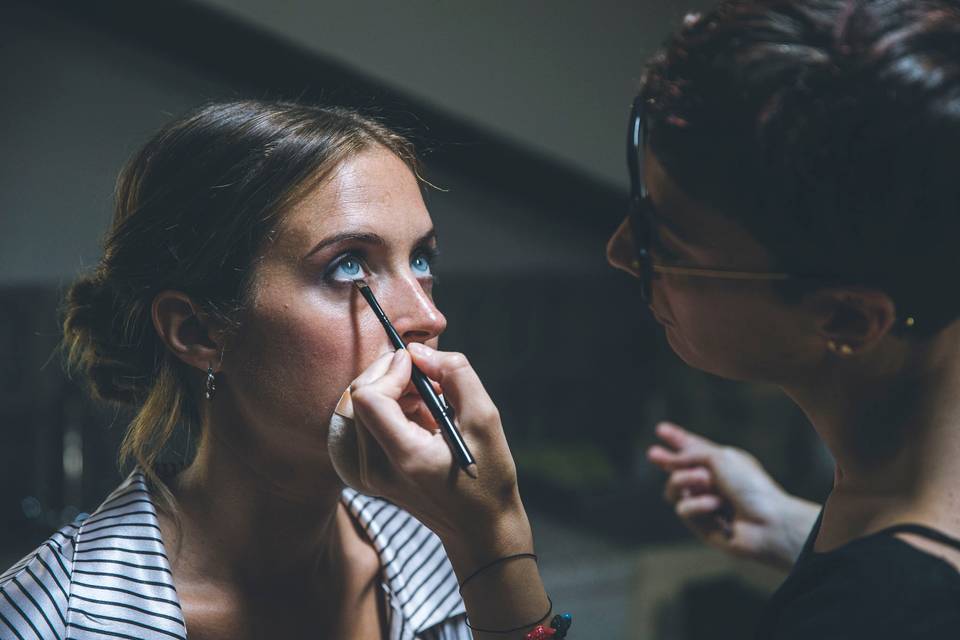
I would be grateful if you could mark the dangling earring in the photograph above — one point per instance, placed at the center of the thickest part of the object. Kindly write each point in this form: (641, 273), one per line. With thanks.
(210, 387)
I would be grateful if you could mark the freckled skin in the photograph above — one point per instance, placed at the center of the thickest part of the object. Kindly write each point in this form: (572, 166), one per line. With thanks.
(263, 547)
(304, 339)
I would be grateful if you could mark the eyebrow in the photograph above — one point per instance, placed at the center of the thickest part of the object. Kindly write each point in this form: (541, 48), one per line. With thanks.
(365, 238)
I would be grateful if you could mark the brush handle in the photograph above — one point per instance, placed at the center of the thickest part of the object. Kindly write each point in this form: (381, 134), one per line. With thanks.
(444, 415)
(441, 412)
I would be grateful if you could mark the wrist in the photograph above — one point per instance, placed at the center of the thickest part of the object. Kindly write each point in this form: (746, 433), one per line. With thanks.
(504, 533)
(795, 524)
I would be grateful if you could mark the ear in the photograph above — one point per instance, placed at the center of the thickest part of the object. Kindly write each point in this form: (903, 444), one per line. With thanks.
(852, 320)
(187, 332)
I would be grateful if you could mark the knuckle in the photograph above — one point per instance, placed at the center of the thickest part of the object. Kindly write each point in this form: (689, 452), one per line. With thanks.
(727, 454)
(406, 467)
(487, 415)
(456, 360)
(360, 395)
(411, 468)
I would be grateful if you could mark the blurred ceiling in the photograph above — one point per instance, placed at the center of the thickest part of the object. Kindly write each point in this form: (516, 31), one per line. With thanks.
(555, 76)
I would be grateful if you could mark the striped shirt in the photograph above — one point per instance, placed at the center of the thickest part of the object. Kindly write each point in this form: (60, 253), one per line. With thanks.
(106, 576)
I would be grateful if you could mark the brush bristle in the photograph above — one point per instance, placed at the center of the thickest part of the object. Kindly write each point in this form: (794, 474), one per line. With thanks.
(361, 284)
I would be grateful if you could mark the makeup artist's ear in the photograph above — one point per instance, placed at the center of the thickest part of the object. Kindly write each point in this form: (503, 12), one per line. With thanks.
(852, 320)
(188, 333)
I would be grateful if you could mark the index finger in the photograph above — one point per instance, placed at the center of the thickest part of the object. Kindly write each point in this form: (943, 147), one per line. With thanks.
(461, 384)
(377, 408)
(684, 441)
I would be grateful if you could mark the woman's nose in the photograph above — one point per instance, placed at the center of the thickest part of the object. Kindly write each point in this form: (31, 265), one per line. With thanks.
(620, 252)
(413, 313)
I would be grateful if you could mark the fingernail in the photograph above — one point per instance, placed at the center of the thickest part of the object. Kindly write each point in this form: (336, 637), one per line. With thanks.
(345, 406)
(399, 355)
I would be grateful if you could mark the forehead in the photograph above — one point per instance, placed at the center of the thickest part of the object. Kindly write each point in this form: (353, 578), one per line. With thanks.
(372, 191)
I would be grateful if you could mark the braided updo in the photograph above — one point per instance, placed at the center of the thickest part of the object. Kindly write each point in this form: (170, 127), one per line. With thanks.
(194, 209)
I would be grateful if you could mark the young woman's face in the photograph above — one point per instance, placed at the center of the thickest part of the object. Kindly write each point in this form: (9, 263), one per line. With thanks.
(308, 333)
(737, 329)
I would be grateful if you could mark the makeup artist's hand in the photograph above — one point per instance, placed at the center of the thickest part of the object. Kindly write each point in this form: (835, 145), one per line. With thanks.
(726, 497)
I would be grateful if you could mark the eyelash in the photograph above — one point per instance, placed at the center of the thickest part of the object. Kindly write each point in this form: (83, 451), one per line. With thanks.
(430, 253)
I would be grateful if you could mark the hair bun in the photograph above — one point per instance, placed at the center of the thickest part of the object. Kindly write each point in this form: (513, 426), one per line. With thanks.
(97, 345)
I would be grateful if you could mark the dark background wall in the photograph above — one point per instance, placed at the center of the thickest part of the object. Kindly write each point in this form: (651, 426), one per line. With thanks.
(520, 112)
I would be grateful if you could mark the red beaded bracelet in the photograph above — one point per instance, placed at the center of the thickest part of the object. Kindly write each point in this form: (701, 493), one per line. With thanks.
(557, 629)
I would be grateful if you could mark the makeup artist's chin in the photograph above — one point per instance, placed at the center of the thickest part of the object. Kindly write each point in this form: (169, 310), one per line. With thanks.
(680, 347)
(660, 319)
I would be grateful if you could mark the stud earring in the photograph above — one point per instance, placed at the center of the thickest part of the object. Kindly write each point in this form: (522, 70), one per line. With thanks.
(843, 349)
(210, 387)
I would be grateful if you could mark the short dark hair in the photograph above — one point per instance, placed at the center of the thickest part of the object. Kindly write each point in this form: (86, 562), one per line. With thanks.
(830, 129)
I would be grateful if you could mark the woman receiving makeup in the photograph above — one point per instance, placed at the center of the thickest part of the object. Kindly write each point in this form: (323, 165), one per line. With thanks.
(224, 306)
(793, 221)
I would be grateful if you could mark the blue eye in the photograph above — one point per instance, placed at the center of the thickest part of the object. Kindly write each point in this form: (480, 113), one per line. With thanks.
(348, 268)
(421, 264)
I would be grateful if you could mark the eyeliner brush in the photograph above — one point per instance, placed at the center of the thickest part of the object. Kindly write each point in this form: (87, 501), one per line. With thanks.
(440, 411)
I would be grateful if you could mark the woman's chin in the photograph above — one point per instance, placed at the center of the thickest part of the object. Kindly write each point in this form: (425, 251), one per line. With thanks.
(697, 360)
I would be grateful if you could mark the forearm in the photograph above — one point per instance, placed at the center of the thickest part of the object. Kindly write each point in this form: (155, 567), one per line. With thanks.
(799, 516)
(503, 595)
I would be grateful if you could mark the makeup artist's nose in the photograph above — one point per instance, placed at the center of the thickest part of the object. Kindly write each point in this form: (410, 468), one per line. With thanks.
(414, 315)
(620, 253)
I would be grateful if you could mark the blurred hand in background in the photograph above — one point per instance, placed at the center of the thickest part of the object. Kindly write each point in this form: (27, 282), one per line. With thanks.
(727, 498)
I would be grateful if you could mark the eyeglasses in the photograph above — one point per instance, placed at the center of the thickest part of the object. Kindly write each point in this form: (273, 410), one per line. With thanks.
(642, 216)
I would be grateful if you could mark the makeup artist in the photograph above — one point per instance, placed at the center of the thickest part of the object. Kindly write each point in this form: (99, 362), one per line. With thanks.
(794, 215)
(224, 311)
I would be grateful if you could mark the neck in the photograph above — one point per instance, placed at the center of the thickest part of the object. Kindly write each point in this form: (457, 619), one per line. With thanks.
(255, 518)
(891, 419)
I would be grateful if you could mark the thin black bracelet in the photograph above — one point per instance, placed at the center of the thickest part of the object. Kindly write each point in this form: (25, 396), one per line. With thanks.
(496, 562)
(521, 627)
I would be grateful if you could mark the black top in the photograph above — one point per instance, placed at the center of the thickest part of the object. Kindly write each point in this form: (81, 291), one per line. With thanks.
(877, 586)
